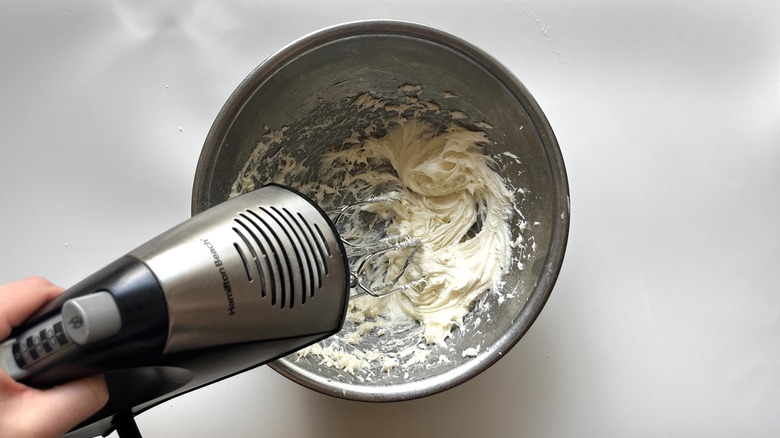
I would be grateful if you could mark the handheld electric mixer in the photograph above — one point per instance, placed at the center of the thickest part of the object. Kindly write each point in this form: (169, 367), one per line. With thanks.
(245, 282)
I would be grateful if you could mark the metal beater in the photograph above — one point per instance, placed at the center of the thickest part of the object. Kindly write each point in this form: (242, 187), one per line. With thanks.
(372, 253)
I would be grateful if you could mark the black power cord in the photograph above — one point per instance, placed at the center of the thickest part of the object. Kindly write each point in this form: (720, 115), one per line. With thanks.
(125, 425)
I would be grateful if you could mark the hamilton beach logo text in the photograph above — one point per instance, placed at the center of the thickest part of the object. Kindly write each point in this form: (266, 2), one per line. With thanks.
(222, 272)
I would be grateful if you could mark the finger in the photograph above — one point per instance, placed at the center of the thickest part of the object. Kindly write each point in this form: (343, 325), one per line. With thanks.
(20, 299)
(63, 407)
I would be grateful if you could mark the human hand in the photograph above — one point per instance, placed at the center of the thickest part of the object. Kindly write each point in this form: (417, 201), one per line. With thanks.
(30, 412)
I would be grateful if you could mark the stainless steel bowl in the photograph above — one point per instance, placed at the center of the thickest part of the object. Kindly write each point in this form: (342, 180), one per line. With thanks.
(308, 86)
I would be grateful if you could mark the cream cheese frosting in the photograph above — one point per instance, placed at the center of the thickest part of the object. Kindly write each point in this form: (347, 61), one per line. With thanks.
(450, 197)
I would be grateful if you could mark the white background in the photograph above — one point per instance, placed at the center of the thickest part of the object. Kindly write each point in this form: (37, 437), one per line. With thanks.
(666, 317)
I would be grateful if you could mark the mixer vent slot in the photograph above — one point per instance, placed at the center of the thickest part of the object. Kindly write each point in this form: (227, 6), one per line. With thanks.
(249, 276)
(288, 253)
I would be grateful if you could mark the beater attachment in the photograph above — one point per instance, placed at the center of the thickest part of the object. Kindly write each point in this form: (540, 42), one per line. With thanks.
(381, 264)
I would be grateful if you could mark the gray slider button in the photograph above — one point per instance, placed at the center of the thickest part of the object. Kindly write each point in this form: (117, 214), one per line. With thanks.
(91, 318)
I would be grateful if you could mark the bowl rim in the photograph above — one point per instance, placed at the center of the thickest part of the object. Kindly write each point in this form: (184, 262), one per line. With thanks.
(201, 198)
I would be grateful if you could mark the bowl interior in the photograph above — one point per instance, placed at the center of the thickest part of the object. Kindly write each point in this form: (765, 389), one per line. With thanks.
(308, 92)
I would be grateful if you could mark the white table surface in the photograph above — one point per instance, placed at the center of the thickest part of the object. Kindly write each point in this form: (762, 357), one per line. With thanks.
(666, 317)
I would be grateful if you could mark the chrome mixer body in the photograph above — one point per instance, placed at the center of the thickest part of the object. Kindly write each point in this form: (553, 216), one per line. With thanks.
(245, 282)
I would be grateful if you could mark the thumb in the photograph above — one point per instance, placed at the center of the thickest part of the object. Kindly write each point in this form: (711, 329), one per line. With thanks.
(69, 404)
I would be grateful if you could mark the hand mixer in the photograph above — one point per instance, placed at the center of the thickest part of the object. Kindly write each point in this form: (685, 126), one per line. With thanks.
(245, 282)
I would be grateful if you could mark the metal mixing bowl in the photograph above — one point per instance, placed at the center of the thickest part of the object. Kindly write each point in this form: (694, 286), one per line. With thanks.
(308, 88)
